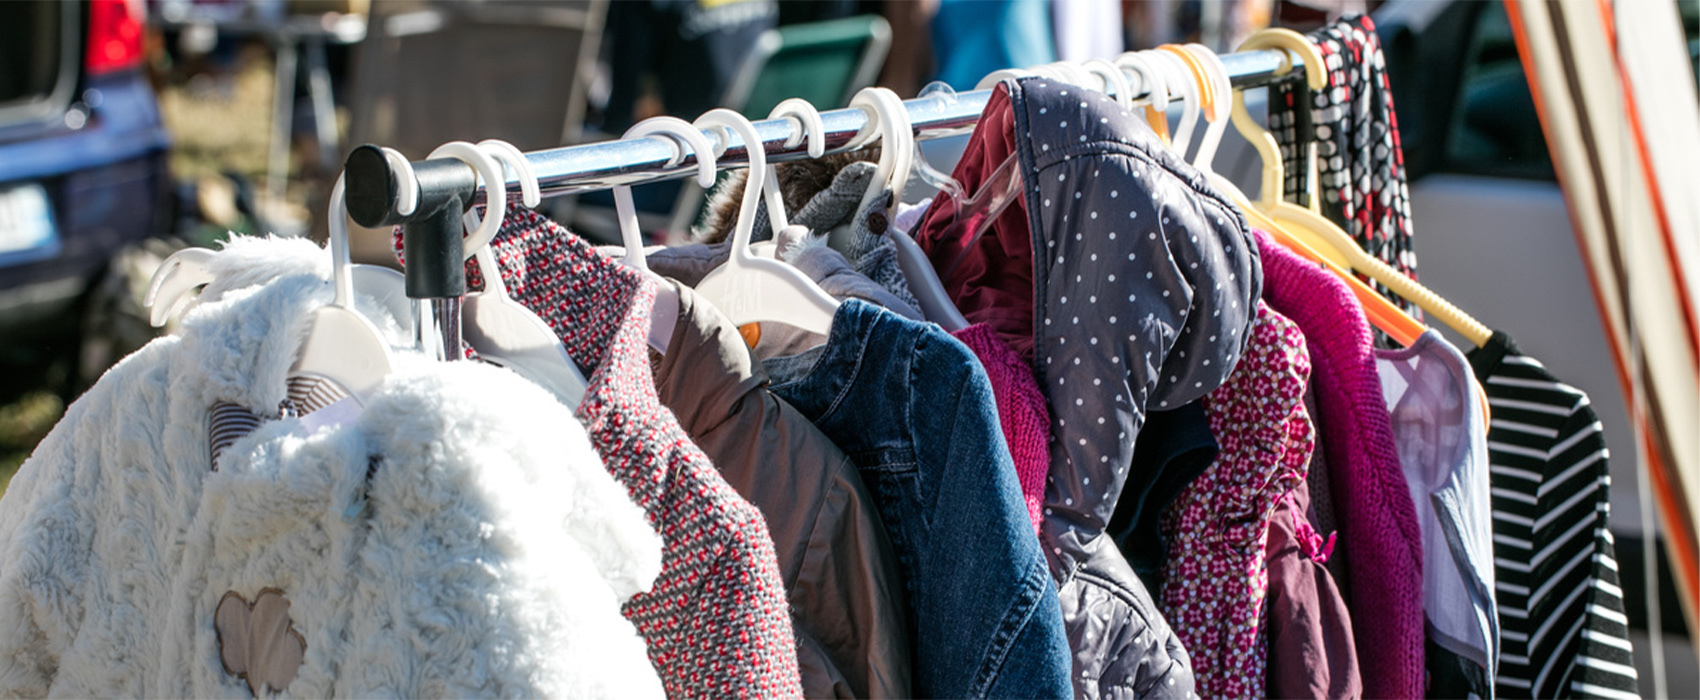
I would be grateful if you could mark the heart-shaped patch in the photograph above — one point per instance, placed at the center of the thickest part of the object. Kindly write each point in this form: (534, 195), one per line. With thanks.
(257, 642)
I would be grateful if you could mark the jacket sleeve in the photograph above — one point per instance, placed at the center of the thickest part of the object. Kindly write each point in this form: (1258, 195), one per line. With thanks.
(44, 552)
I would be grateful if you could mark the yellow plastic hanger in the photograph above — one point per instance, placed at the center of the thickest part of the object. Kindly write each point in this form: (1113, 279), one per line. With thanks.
(1380, 312)
(1311, 227)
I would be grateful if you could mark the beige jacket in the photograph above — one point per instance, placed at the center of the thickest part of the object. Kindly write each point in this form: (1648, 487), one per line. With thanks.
(840, 572)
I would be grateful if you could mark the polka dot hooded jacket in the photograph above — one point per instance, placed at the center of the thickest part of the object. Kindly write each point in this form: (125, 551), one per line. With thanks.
(1130, 285)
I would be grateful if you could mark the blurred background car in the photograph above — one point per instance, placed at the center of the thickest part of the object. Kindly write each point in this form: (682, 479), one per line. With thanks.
(82, 173)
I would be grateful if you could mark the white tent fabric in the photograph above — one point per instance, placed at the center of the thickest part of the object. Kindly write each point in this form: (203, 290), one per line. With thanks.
(1616, 95)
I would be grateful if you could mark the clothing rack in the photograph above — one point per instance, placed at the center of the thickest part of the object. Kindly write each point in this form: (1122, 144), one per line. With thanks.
(446, 187)
(596, 166)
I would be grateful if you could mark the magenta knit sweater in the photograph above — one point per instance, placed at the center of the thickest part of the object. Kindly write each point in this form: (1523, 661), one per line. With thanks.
(1022, 413)
(1378, 523)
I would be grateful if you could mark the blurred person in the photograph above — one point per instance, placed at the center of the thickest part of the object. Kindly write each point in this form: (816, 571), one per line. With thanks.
(1087, 29)
(974, 37)
(677, 56)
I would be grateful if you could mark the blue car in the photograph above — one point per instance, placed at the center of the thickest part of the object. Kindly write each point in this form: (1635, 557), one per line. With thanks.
(82, 164)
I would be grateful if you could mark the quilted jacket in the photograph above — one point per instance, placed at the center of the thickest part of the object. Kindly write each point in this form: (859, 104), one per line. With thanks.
(1129, 283)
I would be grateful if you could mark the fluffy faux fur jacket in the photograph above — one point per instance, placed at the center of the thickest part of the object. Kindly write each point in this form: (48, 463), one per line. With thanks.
(459, 537)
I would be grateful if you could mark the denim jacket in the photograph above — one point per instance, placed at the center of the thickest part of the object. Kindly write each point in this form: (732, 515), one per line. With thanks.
(914, 410)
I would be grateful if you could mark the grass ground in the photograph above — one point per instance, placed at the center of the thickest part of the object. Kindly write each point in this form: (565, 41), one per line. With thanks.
(22, 425)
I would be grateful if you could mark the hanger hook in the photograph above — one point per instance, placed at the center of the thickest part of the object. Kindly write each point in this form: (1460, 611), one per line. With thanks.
(530, 195)
(1316, 75)
(679, 133)
(889, 120)
(1115, 81)
(722, 118)
(998, 76)
(1216, 74)
(495, 189)
(807, 124)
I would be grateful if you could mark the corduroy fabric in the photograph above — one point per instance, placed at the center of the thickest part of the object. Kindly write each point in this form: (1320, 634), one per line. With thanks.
(1215, 578)
(716, 622)
(1378, 521)
(1022, 413)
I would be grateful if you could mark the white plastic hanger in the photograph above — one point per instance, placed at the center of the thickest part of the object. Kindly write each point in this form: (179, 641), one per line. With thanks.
(998, 76)
(665, 314)
(503, 331)
(1115, 81)
(893, 156)
(342, 345)
(682, 133)
(1217, 119)
(171, 287)
(885, 109)
(1156, 90)
(1181, 86)
(809, 126)
(748, 288)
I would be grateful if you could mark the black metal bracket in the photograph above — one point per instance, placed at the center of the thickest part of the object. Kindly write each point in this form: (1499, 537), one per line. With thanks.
(432, 232)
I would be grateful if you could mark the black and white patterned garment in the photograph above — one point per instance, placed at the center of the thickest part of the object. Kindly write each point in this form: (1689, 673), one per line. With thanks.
(1360, 165)
(1563, 631)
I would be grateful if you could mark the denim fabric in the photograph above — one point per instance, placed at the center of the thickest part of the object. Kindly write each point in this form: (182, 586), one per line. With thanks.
(914, 410)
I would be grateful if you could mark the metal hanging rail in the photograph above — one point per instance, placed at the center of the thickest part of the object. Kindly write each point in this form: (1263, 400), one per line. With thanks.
(595, 166)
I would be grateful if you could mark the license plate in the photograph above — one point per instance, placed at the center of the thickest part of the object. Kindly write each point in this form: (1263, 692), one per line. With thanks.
(27, 230)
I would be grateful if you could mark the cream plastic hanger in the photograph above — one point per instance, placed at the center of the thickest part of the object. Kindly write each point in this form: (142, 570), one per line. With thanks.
(171, 287)
(885, 109)
(1292, 216)
(1304, 223)
(747, 288)
(1206, 68)
(503, 331)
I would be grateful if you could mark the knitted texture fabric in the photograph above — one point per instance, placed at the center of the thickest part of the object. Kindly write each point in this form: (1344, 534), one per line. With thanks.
(1215, 579)
(1022, 413)
(1360, 164)
(1378, 521)
(716, 622)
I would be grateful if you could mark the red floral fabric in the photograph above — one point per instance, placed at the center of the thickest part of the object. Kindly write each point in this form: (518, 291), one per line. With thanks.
(1215, 578)
(716, 622)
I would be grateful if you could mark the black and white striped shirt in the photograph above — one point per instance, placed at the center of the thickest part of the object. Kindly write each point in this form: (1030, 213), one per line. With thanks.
(1561, 610)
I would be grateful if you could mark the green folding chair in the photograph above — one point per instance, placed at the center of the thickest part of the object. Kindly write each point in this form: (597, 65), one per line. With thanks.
(822, 62)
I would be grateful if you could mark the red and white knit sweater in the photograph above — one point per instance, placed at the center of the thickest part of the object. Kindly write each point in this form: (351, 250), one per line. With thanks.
(716, 621)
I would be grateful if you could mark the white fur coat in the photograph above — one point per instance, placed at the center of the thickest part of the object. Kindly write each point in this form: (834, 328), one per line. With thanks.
(487, 554)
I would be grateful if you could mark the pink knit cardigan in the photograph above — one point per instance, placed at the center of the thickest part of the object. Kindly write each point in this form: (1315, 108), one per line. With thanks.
(1025, 419)
(1378, 522)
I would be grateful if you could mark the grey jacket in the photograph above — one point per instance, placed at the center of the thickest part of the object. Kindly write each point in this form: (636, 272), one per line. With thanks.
(1130, 284)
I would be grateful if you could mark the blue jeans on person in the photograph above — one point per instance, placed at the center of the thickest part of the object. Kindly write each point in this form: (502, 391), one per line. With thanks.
(913, 408)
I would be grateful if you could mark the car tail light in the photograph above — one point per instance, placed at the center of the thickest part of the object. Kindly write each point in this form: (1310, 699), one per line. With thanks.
(115, 35)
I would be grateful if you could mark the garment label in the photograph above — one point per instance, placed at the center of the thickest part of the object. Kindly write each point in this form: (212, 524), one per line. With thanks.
(337, 414)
